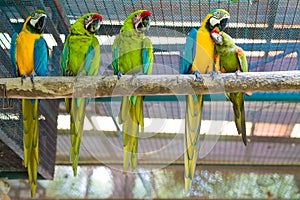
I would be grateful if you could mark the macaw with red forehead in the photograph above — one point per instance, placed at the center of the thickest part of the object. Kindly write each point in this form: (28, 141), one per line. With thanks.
(132, 53)
(233, 60)
(80, 57)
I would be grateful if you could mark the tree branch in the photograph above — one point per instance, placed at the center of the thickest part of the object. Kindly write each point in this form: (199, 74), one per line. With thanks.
(104, 86)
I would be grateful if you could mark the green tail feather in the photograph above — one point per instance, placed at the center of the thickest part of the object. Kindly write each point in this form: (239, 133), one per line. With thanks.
(192, 134)
(131, 116)
(237, 100)
(31, 140)
(77, 114)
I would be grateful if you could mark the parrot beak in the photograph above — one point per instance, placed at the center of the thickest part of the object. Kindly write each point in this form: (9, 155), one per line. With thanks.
(41, 22)
(38, 23)
(143, 24)
(216, 35)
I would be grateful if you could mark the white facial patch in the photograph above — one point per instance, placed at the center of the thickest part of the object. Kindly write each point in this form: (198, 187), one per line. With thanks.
(213, 21)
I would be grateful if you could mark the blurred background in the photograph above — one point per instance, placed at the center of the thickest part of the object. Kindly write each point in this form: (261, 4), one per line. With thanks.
(267, 168)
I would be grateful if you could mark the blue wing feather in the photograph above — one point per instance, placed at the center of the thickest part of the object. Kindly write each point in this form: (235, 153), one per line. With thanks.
(189, 52)
(40, 57)
(13, 49)
(147, 56)
(146, 61)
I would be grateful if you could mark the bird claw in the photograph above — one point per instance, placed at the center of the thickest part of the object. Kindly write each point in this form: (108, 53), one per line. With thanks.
(32, 75)
(197, 75)
(23, 77)
(237, 72)
(69, 73)
(9, 102)
(120, 74)
(214, 74)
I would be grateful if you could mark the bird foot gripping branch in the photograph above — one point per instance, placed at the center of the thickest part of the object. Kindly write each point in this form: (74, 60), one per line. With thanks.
(7, 103)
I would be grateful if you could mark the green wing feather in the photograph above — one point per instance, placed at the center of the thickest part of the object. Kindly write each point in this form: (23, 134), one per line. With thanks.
(65, 57)
(115, 55)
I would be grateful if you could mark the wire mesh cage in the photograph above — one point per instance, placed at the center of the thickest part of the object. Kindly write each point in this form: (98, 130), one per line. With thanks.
(269, 33)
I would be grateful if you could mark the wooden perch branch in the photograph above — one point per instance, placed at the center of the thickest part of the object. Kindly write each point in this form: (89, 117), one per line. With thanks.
(104, 86)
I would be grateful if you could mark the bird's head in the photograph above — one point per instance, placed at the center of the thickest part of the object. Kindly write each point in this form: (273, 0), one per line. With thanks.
(225, 40)
(36, 21)
(92, 22)
(217, 18)
(138, 21)
(87, 24)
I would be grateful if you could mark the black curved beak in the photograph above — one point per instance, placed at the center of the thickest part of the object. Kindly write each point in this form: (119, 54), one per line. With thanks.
(144, 24)
(94, 25)
(223, 24)
(40, 24)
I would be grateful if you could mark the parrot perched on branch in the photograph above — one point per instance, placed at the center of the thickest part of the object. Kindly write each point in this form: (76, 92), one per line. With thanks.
(198, 58)
(132, 53)
(29, 54)
(233, 60)
(80, 57)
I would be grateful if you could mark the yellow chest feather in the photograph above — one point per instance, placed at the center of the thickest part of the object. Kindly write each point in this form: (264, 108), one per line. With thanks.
(25, 52)
(204, 57)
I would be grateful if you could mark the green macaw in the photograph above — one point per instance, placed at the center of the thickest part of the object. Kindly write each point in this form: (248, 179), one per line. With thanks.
(132, 53)
(80, 57)
(232, 59)
(198, 58)
(29, 54)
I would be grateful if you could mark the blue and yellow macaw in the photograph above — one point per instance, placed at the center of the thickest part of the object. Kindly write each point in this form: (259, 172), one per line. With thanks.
(198, 58)
(233, 60)
(80, 57)
(132, 53)
(29, 54)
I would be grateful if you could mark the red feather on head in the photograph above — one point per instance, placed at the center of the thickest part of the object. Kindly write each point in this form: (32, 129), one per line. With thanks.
(97, 16)
(145, 13)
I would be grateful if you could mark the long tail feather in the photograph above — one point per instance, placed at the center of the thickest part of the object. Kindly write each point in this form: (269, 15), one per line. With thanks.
(131, 115)
(77, 114)
(192, 135)
(31, 140)
(237, 100)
